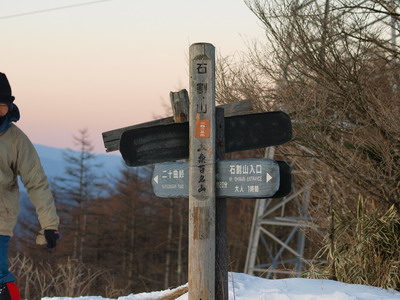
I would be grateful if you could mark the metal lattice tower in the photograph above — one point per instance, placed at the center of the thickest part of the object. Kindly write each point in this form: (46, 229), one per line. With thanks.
(277, 234)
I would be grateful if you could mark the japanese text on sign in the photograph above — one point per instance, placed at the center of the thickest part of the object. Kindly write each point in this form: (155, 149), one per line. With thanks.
(245, 169)
(201, 88)
(173, 174)
(202, 129)
(201, 167)
(201, 68)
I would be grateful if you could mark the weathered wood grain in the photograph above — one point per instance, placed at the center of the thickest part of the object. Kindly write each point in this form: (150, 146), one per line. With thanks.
(180, 105)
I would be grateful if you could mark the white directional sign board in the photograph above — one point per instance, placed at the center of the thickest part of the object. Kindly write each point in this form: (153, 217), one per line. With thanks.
(171, 179)
(246, 178)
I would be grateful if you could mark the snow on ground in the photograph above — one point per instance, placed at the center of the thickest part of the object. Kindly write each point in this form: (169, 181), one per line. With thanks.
(246, 287)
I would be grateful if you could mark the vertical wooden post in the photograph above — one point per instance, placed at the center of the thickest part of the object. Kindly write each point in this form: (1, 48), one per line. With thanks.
(202, 172)
(221, 239)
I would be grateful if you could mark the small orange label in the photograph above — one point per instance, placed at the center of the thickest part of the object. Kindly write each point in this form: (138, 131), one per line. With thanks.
(203, 129)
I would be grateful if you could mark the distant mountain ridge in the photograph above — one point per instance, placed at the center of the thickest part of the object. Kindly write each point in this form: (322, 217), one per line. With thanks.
(54, 163)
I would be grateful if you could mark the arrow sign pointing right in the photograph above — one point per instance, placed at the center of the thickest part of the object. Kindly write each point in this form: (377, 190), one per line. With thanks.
(269, 177)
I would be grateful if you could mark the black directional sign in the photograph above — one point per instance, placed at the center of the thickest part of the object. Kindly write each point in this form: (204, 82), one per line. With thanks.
(245, 178)
(162, 143)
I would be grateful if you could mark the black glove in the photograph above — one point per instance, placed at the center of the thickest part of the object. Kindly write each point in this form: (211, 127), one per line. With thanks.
(51, 236)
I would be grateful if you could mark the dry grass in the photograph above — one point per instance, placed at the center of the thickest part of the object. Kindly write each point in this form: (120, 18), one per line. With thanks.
(68, 279)
(365, 249)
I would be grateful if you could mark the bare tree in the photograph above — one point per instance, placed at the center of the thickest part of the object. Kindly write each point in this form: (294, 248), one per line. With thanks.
(332, 66)
(80, 185)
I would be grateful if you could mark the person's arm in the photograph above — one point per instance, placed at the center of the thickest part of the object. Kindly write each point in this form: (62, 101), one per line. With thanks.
(35, 181)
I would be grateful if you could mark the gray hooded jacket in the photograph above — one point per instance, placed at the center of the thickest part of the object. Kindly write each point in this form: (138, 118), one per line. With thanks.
(19, 157)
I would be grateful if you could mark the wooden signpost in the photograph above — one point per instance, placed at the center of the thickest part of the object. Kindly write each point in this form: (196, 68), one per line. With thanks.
(204, 140)
(202, 153)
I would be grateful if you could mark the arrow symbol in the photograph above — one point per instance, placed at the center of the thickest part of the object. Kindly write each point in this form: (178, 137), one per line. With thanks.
(156, 179)
(269, 177)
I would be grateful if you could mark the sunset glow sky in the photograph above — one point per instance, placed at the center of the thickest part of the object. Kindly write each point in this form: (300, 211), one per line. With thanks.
(108, 64)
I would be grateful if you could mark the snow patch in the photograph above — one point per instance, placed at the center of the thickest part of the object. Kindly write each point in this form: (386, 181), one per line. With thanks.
(246, 287)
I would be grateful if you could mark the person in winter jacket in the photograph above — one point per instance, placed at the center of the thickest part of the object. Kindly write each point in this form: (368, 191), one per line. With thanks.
(18, 157)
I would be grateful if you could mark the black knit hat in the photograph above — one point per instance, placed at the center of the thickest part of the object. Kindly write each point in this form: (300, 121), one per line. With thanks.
(5, 90)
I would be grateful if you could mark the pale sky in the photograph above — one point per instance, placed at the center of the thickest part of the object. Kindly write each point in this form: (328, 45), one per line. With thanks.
(108, 64)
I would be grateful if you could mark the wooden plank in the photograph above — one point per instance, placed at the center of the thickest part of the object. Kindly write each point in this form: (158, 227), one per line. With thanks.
(180, 105)
(257, 131)
(237, 108)
(156, 144)
(111, 138)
